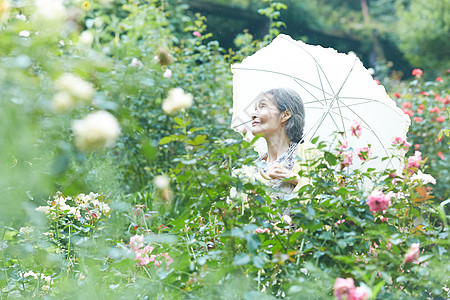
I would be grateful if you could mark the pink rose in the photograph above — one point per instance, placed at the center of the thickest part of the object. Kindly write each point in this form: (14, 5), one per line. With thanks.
(196, 34)
(417, 119)
(440, 119)
(413, 253)
(400, 142)
(343, 145)
(143, 261)
(141, 255)
(356, 128)
(364, 153)
(343, 288)
(377, 201)
(438, 79)
(383, 219)
(417, 72)
(360, 293)
(262, 230)
(136, 242)
(414, 162)
(408, 112)
(347, 158)
(407, 105)
(398, 95)
(435, 110)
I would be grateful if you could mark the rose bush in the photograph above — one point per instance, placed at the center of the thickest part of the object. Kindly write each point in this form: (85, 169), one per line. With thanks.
(173, 216)
(426, 102)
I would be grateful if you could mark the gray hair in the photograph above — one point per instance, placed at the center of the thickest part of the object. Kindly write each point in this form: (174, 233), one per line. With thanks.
(287, 99)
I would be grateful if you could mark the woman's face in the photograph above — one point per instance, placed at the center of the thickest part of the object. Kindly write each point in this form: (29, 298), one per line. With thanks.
(267, 119)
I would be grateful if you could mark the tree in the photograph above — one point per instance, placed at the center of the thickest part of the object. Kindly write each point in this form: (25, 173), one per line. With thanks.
(423, 32)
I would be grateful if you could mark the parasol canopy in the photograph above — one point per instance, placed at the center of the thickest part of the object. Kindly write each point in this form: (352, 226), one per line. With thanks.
(336, 90)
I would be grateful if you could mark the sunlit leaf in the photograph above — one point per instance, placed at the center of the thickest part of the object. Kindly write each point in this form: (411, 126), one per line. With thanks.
(241, 259)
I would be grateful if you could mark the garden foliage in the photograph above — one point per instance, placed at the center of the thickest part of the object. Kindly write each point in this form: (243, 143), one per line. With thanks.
(121, 177)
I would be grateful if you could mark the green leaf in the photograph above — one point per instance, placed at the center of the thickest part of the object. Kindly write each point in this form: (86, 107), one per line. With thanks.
(330, 158)
(345, 259)
(310, 211)
(318, 254)
(178, 120)
(447, 132)
(188, 162)
(377, 289)
(164, 273)
(181, 123)
(258, 262)
(314, 140)
(201, 260)
(342, 244)
(241, 259)
(249, 227)
(260, 199)
(200, 139)
(252, 242)
(149, 150)
(237, 232)
(168, 139)
(440, 134)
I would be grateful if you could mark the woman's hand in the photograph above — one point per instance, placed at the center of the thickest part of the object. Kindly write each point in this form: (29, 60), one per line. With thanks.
(277, 171)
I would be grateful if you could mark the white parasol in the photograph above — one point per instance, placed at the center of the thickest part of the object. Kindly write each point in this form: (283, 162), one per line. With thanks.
(335, 88)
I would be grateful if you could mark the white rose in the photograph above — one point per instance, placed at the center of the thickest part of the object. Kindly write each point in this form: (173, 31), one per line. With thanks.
(62, 101)
(163, 191)
(424, 178)
(104, 208)
(30, 273)
(86, 38)
(27, 230)
(44, 209)
(161, 182)
(167, 74)
(24, 33)
(176, 100)
(287, 219)
(75, 86)
(64, 207)
(49, 10)
(21, 17)
(72, 210)
(82, 199)
(77, 214)
(136, 63)
(98, 130)
(48, 279)
(92, 196)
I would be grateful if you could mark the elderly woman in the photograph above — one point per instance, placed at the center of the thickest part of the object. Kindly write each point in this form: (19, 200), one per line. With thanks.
(279, 117)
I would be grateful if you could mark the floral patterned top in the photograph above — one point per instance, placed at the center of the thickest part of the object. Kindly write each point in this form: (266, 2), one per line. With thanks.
(291, 159)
